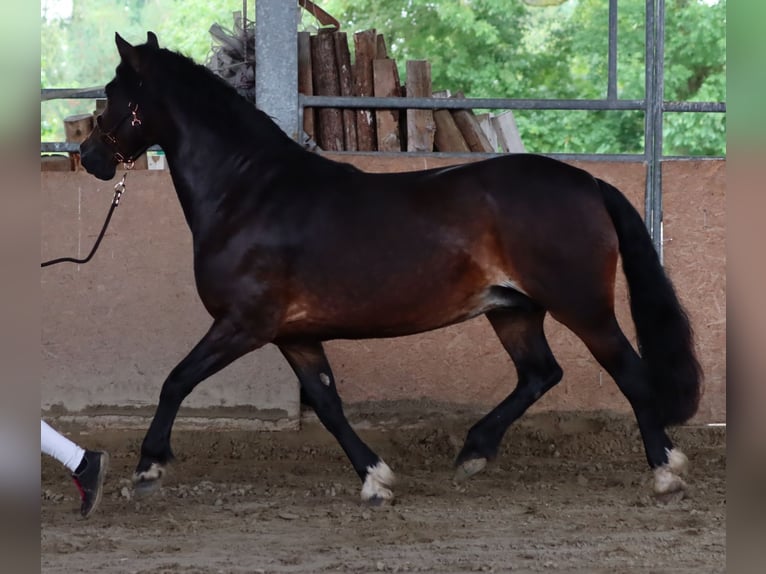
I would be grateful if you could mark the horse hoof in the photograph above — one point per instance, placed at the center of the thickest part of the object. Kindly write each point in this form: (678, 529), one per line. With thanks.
(376, 490)
(379, 501)
(144, 488)
(670, 498)
(677, 461)
(148, 481)
(668, 486)
(469, 467)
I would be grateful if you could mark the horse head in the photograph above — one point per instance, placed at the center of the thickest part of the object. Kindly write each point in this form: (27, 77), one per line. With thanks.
(121, 133)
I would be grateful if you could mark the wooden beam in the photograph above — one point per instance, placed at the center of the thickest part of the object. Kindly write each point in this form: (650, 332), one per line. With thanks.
(56, 162)
(365, 46)
(343, 61)
(387, 121)
(420, 123)
(329, 127)
(469, 126)
(381, 51)
(485, 121)
(507, 132)
(305, 81)
(447, 137)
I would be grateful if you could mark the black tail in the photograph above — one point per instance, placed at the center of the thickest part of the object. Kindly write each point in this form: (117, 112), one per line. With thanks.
(665, 337)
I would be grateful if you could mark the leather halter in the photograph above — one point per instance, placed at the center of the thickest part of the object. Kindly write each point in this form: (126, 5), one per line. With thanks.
(110, 136)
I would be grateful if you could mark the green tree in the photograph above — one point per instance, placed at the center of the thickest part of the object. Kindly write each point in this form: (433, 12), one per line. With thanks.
(78, 50)
(504, 48)
(484, 48)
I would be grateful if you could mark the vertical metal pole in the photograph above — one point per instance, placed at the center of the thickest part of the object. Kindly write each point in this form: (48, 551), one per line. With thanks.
(659, 81)
(276, 62)
(653, 119)
(611, 89)
(648, 112)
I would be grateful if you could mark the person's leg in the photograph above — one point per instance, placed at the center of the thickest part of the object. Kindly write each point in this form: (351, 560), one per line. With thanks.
(88, 466)
(60, 447)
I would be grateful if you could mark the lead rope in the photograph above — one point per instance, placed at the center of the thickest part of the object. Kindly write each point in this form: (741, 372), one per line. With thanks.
(119, 189)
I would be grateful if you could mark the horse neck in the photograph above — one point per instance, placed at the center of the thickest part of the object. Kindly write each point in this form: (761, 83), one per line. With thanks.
(211, 151)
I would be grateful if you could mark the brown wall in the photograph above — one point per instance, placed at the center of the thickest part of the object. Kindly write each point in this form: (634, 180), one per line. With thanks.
(466, 364)
(113, 328)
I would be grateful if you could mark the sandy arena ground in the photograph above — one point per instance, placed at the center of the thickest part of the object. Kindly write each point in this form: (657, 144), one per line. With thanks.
(568, 493)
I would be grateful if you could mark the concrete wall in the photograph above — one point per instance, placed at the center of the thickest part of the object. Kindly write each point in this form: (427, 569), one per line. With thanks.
(113, 329)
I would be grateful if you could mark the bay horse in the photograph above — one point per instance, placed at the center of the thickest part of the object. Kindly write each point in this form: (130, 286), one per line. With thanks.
(294, 249)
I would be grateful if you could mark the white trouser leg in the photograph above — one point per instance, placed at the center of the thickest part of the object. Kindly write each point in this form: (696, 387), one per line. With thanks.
(60, 447)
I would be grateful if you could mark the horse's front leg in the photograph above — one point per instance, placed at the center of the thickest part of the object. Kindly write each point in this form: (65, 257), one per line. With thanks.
(221, 345)
(318, 389)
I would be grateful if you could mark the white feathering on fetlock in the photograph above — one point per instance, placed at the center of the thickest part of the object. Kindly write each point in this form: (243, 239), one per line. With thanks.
(677, 460)
(155, 472)
(666, 477)
(377, 483)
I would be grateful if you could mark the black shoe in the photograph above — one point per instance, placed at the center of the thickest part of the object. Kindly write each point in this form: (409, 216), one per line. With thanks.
(89, 479)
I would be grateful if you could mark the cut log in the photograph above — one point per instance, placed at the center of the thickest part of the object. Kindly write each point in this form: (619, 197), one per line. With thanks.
(387, 121)
(420, 123)
(447, 137)
(343, 61)
(469, 126)
(401, 115)
(507, 133)
(365, 45)
(305, 81)
(78, 127)
(381, 52)
(485, 121)
(329, 121)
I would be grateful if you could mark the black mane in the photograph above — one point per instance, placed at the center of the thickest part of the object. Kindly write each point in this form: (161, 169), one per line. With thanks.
(196, 90)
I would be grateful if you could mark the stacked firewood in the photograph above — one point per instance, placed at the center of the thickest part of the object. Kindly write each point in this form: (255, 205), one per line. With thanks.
(325, 68)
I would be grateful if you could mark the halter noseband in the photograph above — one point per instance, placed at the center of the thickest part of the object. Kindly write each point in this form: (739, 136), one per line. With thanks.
(110, 136)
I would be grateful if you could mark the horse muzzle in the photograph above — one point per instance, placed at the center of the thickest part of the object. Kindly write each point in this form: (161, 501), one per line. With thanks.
(96, 158)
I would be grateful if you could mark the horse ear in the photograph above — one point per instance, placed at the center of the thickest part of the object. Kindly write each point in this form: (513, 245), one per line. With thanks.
(127, 52)
(151, 40)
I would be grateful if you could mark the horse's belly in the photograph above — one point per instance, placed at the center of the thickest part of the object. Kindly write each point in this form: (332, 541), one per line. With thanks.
(378, 319)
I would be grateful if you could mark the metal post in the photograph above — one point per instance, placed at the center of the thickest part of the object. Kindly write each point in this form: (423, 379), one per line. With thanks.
(659, 81)
(611, 89)
(276, 62)
(654, 86)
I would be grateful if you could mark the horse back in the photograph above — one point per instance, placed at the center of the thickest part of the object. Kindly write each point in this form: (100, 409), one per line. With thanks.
(406, 252)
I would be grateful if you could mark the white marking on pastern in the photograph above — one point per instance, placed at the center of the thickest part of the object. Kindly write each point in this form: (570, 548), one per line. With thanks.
(677, 461)
(666, 477)
(154, 472)
(378, 481)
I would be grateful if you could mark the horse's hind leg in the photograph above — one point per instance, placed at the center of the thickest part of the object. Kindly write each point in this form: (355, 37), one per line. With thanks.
(520, 329)
(220, 346)
(614, 352)
(310, 364)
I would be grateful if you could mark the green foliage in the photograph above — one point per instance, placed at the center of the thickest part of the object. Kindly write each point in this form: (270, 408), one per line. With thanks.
(505, 48)
(484, 48)
(78, 51)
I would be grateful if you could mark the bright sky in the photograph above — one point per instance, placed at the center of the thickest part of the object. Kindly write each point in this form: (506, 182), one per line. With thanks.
(56, 8)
